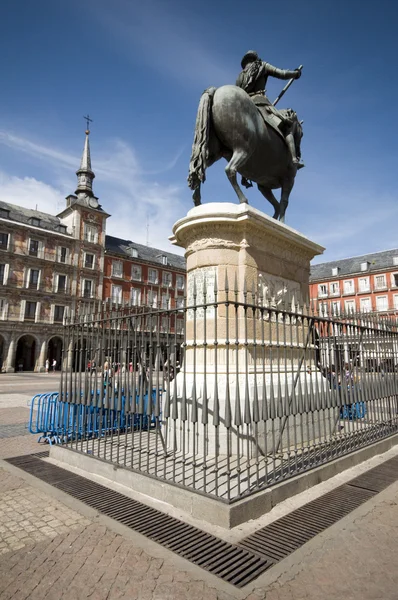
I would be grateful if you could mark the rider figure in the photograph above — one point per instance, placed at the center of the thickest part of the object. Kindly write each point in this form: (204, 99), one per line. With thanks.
(253, 79)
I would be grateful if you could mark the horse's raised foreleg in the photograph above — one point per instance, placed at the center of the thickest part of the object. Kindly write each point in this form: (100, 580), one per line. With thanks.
(267, 193)
(287, 187)
(196, 197)
(239, 157)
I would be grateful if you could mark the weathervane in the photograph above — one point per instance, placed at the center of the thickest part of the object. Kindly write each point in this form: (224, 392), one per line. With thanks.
(88, 120)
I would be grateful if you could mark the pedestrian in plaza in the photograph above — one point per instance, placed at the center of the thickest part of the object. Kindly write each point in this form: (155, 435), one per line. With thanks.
(47, 365)
(54, 365)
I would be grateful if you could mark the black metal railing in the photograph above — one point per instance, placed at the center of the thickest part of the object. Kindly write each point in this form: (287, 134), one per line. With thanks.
(229, 394)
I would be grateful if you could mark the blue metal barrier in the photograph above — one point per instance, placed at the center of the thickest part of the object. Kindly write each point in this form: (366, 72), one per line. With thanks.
(57, 422)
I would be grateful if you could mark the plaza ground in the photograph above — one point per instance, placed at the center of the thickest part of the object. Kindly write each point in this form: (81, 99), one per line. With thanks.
(53, 547)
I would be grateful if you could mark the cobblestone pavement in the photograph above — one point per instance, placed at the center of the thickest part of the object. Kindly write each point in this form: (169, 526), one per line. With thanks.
(50, 550)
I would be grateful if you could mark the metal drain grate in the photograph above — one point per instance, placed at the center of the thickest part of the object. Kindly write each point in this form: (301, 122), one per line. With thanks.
(232, 563)
(237, 564)
(287, 534)
(42, 454)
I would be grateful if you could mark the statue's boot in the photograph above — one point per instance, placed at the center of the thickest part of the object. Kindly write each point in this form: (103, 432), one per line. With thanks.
(292, 148)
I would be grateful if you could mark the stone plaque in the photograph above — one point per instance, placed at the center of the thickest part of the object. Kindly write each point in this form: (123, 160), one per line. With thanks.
(279, 292)
(200, 290)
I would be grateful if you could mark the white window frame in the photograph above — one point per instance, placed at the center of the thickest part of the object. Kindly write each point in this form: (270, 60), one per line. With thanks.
(165, 302)
(3, 309)
(137, 292)
(165, 323)
(66, 262)
(40, 249)
(322, 290)
(349, 306)
(179, 326)
(6, 248)
(365, 287)
(333, 284)
(56, 282)
(335, 308)
(139, 268)
(120, 299)
(377, 286)
(6, 273)
(90, 233)
(23, 308)
(395, 301)
(52, 315)
(180, 286)
(323, 309)
(164, 260)
(348, 283)
(150, 270)
(84, 257)
(378, 309)
(152, 298)
(113, 273)
(92, 292)
(27, 282)
(169, 275)
(393, 284)
(367, 300)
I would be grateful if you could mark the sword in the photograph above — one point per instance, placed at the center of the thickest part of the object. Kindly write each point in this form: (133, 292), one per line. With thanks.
(287, 86)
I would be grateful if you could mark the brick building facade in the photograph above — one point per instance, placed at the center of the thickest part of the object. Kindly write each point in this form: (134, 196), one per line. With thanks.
(367, 283)
(51, 265)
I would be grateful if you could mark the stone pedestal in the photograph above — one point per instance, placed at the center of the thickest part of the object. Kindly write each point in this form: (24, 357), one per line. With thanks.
(241, 264)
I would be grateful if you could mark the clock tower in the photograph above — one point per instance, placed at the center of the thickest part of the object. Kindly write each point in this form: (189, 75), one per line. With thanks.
(85, 176)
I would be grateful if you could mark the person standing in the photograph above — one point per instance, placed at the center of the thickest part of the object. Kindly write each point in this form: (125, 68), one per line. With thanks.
(54, 365)
(47, 365)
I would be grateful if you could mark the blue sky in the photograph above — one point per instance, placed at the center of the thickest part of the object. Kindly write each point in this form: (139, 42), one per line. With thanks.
(139, 69)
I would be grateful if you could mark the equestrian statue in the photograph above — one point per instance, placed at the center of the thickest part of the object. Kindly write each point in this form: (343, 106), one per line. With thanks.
(239, 123)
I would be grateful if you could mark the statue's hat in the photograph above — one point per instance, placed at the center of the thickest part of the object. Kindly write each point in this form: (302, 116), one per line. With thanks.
(250, 56)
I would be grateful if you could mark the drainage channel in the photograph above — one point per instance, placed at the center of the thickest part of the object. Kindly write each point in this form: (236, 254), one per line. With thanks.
(232, 563)
(238, 564)
(282, 537)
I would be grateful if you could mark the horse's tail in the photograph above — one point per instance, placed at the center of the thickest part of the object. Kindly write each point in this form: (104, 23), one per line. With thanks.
(200, 147)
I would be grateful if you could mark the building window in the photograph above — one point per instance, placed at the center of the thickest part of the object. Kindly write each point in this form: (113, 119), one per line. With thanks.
(4, 213)
(35, 222)
(365, 305)
(136, 272)
(34, 278)
(61, 284)
(180, 282)
(364, 284)
(88, 288)
(166, 279)
(4, 237)
(349, 286)
(322, 290)
(394, 279)
(59, 312)
(165, 323)
(180, 326)
(3, 309)
(164, 260)
(117, 268)
(2, 274)
(396, 302)
(349, 306)
(334, 289)
(364, 266)
(165, 301)
(30, 310)
(135, 297)
(323, 309)
(88, 261)
(152, 276)
(152, 298)
(381, 303)
(91, 233)
(380, 282)
(117, 292)
(180, 302)
(62, 228)
(134, 252)
(34, 247)
(335, 271)
(335, 308)
(62, 254)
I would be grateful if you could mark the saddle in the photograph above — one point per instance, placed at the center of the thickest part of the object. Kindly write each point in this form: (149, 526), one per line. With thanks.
(279, 120)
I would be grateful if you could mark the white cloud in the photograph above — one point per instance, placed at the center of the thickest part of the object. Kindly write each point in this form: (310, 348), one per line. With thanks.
(132, 198)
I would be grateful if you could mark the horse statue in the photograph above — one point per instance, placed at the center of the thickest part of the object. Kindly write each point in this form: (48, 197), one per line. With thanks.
(229, 125)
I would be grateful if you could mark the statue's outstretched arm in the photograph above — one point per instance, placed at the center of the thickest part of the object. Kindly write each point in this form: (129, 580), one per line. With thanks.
(280, 73)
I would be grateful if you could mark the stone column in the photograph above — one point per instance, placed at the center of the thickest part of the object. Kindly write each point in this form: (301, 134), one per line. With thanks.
(41, 363)
(10, 360)
(260, 258)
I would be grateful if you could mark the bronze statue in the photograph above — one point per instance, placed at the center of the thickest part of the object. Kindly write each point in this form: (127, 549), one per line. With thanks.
(240, 124)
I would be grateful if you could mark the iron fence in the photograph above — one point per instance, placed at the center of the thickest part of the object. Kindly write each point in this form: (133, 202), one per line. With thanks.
(229, 394)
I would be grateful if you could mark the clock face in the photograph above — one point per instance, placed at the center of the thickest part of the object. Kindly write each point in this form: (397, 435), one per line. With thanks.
(93, 203)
